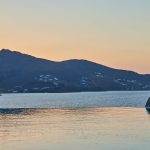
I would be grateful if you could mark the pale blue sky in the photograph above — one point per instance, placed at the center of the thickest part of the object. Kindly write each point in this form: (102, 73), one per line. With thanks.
(111, 32)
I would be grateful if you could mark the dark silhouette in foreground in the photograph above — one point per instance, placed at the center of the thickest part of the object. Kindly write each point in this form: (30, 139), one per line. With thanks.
(147, 106)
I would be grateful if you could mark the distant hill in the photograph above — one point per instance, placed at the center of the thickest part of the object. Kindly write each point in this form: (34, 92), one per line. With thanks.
(24, 73)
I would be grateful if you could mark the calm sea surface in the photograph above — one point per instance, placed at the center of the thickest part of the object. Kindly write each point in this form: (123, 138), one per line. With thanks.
(75, 121)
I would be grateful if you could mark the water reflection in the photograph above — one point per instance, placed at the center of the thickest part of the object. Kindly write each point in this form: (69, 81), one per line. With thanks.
(76, 129)
(15, 111)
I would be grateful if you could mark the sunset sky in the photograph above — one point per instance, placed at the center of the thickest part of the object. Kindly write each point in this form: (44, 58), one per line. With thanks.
(115, 33)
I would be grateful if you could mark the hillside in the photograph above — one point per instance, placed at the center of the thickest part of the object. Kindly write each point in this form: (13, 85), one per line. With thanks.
(24, 73)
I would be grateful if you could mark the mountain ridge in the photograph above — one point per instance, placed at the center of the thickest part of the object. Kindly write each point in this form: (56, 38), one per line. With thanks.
(68, 60)
(25, 73)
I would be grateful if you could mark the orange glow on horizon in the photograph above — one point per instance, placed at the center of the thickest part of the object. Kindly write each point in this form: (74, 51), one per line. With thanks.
(100, 31)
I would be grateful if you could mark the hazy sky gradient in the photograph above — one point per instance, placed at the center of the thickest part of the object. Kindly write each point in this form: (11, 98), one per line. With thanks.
(111, 32)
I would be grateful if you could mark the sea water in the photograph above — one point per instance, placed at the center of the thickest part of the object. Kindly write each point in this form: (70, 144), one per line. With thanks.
(75, 121)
